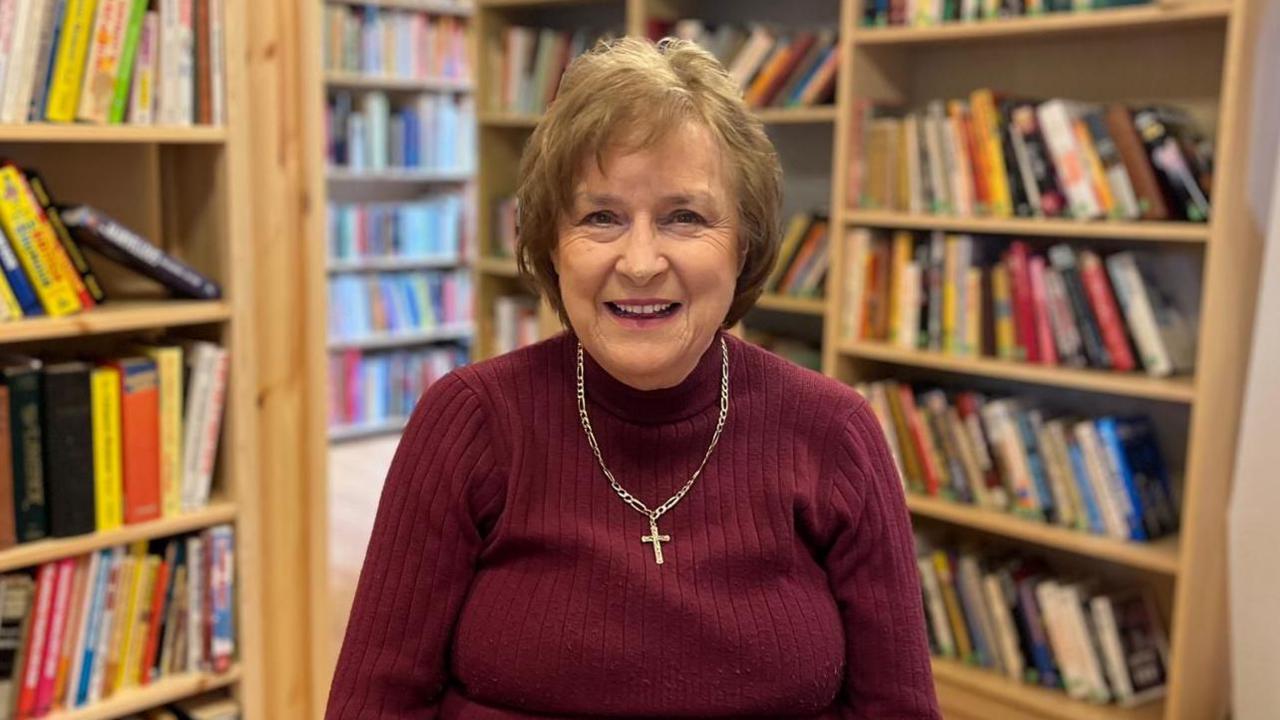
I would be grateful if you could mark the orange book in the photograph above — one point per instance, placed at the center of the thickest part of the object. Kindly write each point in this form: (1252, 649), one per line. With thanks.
(140, 437)
(156, 617)
(978, 168)
(768, 72)
(1097, 174)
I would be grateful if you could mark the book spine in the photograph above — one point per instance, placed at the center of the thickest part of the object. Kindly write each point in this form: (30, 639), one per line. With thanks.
(1063, 259)
(142, 98)
(95, 668)
(117, 641)
(68, 69)
(987, 120)
(1109, 502)
(103, 61)
(8, 526)
(139, 403)
(89, 599)
(217, 64)
(185, 80)
(1056, 125)
(108, 470)
(195, 603)
(210, 427)
(15, 616)
(1103, 304)
(169, 369)
(9, 307)
(36, 247)
(46, 588)
(16, 279)
(135, 616)
(1043, 338)
(93, 630)
(65, 569)
(28, 456)
(128, 61)
(155, 619)
(15, 84)
(93, 292)
(68, 449)
(1093, 167)
(1023, 303)
(222, 641)
(1124, 486)
(1065, 332)
(46, 52)
(1127, 282)
(9, 11)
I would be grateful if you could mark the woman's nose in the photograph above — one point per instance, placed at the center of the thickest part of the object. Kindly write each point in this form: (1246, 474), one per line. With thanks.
(642, 258)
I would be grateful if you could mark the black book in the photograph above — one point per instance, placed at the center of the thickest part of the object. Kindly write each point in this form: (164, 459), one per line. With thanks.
(68, 449)
(1063, 259)
(78, 260)
(1174, 170)
(117, 242)
(22, 377)
(1023, 121)
(1018, 195)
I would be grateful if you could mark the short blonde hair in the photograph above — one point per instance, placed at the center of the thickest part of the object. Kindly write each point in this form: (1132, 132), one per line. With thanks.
(635, 91)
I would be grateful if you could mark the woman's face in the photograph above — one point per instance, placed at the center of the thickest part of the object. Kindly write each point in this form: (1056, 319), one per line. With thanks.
(648, 256)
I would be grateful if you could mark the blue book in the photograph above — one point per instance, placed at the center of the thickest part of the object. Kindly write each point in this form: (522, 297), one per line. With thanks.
(1034, 462)
(1119, 463)
(106, 560)
(1080, 473)
(18, 281)
(1138, 438)
(222, 630)
(1028, 614)
(813, 69)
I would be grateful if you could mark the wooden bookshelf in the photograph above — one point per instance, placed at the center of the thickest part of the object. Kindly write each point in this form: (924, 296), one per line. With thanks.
(118, 316)
(1159, 556)
(979, 693)
(1132, 384)
(797, 115)
(1180, 232)
(360, 81)
(502, 266)
(434, 7)
(509, 119)
(788, 304)
(146, 697)
(392, 264)
(116, 134)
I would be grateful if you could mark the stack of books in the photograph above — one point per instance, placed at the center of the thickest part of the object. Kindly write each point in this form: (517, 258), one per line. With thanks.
(775, 68)
(87, 628)
(388, 42)
(1013, 615)
(427, 133)
(803, 258)
(1067, 307)
(431, 228)
(99, 61)
(87, 446)
(528, 62)
(371, 388)
(379, 305)
(43, 267)
(997, 156)
(1102, 475)
(876, 13)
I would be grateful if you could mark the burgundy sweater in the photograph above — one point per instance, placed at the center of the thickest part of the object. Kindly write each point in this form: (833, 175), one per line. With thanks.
(505, 579)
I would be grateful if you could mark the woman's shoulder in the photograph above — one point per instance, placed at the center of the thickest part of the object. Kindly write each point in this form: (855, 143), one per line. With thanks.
(767, 371)
(497, 379)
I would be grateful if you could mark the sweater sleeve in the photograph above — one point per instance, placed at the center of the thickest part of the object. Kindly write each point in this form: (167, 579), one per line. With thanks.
(871, 566)
(441, 492)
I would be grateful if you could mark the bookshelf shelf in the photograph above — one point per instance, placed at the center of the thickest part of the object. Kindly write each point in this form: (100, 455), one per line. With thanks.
(392, 264)
(1160, 556)
(434, 7)
(343, 175)
(1179, 390)
(116, 316)
(42, 551)
(505, 119)
(502, 266)
(1023, 700)
(162, 691)
(537, 3)
(1159, 15)
(442, 334)
(362, 81)
(799, 306)
(343, 433)
(798, 115)
(141, 134)
(1184, 232)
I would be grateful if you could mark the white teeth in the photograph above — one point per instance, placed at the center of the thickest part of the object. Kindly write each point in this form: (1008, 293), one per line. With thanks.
(644, 309)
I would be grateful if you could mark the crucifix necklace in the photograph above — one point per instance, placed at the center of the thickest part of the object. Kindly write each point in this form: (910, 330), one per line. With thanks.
(654, 538)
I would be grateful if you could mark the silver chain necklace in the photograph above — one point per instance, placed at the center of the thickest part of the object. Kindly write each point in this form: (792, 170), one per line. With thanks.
(635, 503)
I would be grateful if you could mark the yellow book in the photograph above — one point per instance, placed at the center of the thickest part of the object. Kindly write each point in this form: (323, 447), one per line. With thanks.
(68, 68)
(108, 473)
(987, 118)
(973, 313)
(1002, 306)
(902, 174)
(946, 581)
(9, 307)
(131, 591)
(123, 586)
(131, 668)
(1097, 174)
(900, 258)
(790, 239)
(169, 366)
(35, 245)
(950, 307)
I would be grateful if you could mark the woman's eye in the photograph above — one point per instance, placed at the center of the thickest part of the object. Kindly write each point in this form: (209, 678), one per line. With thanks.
(686, 217)
(600, 218)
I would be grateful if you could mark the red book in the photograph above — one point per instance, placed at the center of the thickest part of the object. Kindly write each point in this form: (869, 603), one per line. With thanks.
(33, 663)
(157, 619)
(1103, 302)
(140, 438)
(977, 159)
(57, 626)
(1040, 312)
(916, 425)
(1020, 293)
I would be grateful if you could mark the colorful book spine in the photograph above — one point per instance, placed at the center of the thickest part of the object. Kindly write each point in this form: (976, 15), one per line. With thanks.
(128, 61)
(65, 569)
(68, 70)
(142, 99)
(102, 62)
(89, 280)
(140, 420)
(46, 588)
(108, 472)
(45, 262)
(170, 370)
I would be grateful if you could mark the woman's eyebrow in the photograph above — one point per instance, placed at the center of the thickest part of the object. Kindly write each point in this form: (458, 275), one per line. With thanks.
(597, 198)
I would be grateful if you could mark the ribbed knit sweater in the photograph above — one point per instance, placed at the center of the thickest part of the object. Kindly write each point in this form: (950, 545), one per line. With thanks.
(506, 579)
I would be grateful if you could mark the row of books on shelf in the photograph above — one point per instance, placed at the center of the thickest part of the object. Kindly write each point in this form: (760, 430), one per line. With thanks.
(1001, 156)
(973, 296)
(427, 133)
(432, 227)
(803, 257)
(374, 387)
(879, 13)
(1102, 475)
(528, 62)
(88, 446)
(80, 630)
(397, 303)
(112, 61)
(43, 266)
(774, 68)
(1014, 615)
(389, 42)
(515, 322)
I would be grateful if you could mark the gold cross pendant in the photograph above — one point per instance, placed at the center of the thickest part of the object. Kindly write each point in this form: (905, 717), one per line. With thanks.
(656, 539)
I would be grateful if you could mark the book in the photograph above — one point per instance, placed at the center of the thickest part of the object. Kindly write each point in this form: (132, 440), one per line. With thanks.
(66, 81)
(72, 249)
(103, 234)
(15, 614)
(103, 61)
(55, 281)
(137, 11)
(46, 50)
(68, 448)
(22, 377)
(107, 448)
(18, 80)
(8, 531)
(203, 422)
(140, 438)
(142, 94)
(170, 369)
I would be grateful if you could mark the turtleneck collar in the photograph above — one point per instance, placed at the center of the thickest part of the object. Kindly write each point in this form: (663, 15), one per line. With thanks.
(697, 392)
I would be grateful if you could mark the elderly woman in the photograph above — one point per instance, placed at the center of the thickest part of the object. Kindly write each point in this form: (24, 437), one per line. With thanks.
(644, 516)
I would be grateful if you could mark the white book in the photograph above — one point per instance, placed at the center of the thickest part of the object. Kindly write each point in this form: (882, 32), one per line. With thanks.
(88, 603)
(106, 42)
(210, 429)
(1095, 462)
(114, 595)
(961, 176)
(1061, 641)
(8, 18)
(217, 63)
(1049, 462)
(1006, 636)
(185, 56)
(200, 362)
(1095, 685)
(998, 418)
(20, 81)
(196, 601)
(43, 56)
(908, 292)
(751, 56)
(142, 95)
(996, 497)
(1138, 314)
(857, 244)
(1056, 124)
(933, 603)
(1104, 620)
(940, 159)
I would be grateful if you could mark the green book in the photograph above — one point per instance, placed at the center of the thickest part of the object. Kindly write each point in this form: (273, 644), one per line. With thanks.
(124, 73)
(22, 376)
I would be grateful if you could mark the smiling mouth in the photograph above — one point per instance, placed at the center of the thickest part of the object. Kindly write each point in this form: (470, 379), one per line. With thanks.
(643, 312)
